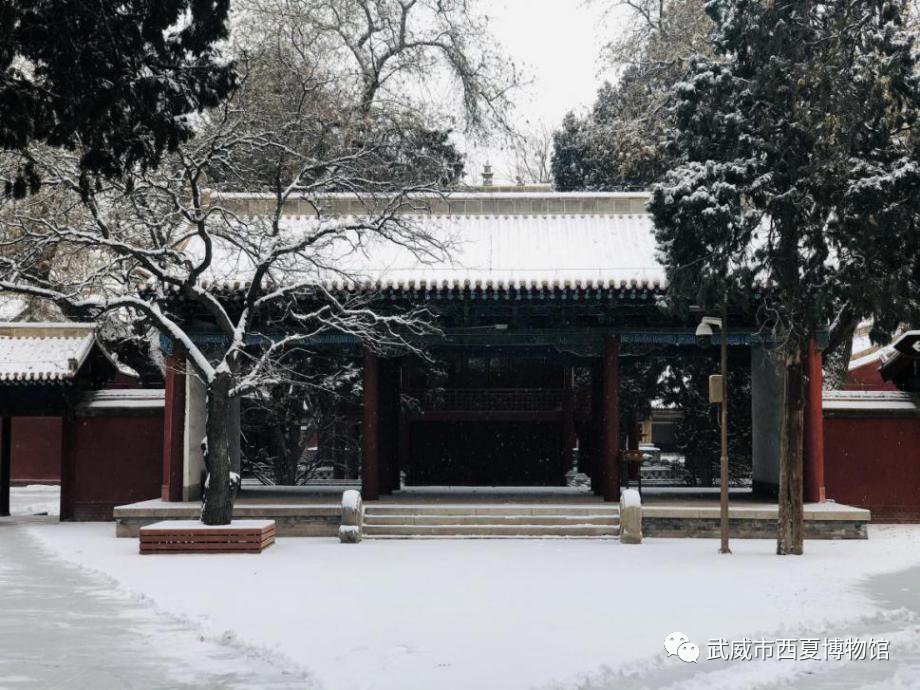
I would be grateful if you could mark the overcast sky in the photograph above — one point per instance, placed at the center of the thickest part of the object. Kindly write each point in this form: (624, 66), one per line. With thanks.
(558, 43)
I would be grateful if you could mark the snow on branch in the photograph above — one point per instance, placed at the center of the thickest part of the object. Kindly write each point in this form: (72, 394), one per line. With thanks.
(160, 247)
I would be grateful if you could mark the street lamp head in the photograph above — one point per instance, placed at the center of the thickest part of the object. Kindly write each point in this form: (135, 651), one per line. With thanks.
(704, 334)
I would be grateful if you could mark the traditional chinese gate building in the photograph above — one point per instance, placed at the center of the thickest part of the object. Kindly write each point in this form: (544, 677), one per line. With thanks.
(541, 290)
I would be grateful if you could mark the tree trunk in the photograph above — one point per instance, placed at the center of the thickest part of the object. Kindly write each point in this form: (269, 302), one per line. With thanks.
(218, 506)
(837, 362)
(790, 527)
(283, 459)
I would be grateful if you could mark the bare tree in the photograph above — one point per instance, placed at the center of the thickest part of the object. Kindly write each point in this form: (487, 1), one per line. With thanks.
(157, 247)
(331, 98)
(532, 153)
(408, 53)
(615, 145)
(657, 37)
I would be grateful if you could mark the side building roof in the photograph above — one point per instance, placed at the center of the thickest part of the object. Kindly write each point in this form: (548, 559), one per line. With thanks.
(44, 352)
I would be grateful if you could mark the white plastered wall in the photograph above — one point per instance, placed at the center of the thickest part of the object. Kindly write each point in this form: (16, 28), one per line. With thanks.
(195, 417)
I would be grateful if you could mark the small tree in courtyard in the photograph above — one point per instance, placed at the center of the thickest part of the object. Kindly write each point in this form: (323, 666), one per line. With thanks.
(125, 221)
(797, 171)
(160, 252)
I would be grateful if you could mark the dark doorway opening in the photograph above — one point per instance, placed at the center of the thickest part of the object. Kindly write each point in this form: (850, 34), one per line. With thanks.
(486, 453)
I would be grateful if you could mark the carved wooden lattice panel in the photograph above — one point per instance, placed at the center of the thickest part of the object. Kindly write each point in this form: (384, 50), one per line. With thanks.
(489, 399)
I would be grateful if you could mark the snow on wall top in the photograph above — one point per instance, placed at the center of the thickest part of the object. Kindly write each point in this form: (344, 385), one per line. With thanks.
(123, 399)
(876, 356)
(475, 250)
(867, 401)
(863, 351)
(459, 202)
(43, 352)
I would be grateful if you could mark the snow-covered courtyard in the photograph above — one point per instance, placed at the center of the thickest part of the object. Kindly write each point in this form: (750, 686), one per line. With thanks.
(445, 615)
(64, 627)
(35, 499)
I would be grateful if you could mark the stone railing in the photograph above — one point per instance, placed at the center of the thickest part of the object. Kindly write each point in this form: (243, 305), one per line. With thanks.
(630, 517)
(350, 531)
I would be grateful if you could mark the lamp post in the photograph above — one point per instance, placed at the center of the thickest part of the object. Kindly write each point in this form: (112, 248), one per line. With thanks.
(704, 336)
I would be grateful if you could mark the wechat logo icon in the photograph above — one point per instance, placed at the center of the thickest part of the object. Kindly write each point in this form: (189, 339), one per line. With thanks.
(679, 644)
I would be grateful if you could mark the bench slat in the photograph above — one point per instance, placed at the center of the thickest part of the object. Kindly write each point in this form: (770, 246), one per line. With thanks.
(183, 538)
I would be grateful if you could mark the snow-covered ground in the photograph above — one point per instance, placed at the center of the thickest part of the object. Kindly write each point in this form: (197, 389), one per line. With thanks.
(63, 627)
(35, 499)
(509, 614)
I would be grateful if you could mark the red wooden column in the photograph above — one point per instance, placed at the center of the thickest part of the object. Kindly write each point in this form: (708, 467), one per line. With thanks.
(387, 425)
(383, 414)
(6, 462)
(568, 420)
(403, 452)
(595, 440)
(370, 457)
(814, 427)
(610, 451)
(173, 428)
(398, 430)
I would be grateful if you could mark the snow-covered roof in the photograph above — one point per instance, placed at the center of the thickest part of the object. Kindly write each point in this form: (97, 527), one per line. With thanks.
(863, 351)
(519, 252)
(862, 344)
(873, 357)
(525, 241)
(43, 351)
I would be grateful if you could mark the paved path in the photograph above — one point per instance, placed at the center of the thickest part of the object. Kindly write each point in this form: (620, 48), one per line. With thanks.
(62, 627)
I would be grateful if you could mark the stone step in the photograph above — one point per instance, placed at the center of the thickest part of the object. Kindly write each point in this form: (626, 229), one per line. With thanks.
(489, 509)
(484, 531)
(561, 520)
(490, 520)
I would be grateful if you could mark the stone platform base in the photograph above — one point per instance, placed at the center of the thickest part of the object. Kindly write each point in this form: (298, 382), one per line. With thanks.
(291, 520)
(822, 521)
(672, 515)
(190, 536)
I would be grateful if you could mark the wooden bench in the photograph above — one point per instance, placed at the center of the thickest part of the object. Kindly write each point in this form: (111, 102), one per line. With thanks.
(191, 536)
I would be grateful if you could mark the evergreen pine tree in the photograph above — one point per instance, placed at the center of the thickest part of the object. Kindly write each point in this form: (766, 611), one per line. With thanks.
(798, 171)
(115, 80)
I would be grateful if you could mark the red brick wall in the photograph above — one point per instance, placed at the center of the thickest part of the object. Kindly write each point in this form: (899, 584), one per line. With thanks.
(874, 463)
(36, 450)
(115, 459)
(867, 378)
